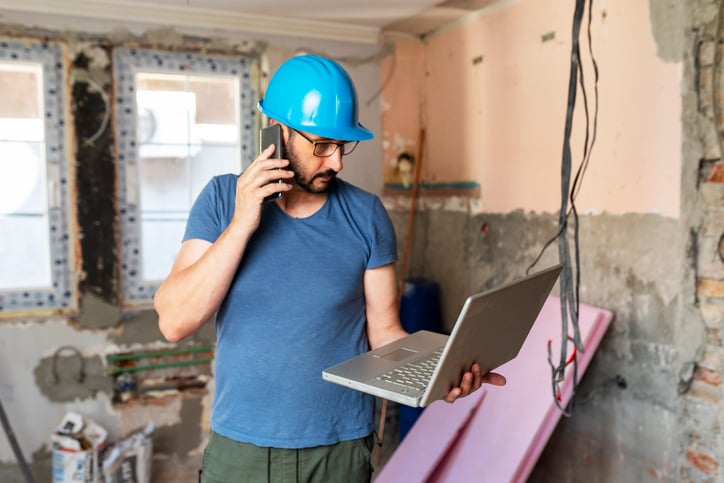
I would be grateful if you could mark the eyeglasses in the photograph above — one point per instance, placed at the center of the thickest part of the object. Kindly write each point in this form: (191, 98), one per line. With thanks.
(324, 149)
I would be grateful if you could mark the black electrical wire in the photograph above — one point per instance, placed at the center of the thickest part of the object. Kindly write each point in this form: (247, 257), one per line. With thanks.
(570, 283)
(15, 446)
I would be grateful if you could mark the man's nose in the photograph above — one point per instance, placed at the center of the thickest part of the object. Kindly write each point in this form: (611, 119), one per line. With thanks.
(334, 161)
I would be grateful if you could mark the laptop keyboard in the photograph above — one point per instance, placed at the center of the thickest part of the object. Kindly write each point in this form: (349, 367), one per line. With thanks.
(413, 375)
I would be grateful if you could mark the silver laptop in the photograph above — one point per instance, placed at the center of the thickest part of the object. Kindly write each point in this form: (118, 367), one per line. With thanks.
(422, 367)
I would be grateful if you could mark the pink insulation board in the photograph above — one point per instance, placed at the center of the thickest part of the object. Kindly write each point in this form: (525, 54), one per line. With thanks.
(498, 433)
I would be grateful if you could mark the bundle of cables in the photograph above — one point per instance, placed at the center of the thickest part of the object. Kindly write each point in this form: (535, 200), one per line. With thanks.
(570, 275)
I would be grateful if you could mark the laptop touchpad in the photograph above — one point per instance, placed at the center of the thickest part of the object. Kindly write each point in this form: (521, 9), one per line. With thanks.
(398, 355)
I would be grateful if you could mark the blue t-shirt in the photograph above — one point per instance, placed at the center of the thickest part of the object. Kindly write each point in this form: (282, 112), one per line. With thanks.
(296, 306)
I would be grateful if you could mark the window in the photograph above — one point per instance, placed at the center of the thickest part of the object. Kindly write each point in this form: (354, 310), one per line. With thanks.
(181, 119)
(36, 260)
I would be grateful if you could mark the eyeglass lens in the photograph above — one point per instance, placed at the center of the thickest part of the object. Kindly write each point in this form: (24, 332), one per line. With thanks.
(328, 149)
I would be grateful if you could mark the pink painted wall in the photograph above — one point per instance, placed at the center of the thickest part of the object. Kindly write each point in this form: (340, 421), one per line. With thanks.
(402, 98)
(491, 95)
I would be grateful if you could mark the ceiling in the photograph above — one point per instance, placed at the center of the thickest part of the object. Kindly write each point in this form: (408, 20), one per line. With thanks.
(354, 20)
(409, 16)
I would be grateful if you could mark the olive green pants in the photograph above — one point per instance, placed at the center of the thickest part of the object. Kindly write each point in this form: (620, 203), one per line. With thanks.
(229, 461)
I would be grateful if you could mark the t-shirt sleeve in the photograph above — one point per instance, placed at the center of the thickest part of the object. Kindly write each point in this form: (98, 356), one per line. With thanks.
(384, 241)
(205, 216)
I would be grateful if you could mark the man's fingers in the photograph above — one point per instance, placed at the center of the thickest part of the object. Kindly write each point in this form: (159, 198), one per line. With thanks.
(267, 164)
(477, 376)
(466, 385)
(494, 379)
(472, 381)
(453, 395)
(262, 172)
(273, 187)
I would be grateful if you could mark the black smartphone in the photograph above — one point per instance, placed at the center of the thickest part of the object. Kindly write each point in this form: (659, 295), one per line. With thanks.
(272, 135)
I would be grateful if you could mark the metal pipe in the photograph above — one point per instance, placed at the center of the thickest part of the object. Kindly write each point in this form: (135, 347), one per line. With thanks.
(15, 446)
(150, 367)
(145, 355)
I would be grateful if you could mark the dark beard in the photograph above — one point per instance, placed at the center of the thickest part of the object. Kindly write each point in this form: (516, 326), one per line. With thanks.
(301, 179)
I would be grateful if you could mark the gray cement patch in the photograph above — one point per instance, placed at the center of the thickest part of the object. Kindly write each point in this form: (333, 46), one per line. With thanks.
(68, 386)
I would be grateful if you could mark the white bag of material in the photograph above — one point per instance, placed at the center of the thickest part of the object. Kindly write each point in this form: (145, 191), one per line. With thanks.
(129, 460)
(77, 443)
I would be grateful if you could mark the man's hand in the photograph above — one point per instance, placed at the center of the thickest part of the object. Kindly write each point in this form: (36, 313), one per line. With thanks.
(255, 184)
(472, 381)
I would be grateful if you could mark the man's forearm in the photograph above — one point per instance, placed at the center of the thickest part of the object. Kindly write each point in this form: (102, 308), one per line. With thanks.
(193, 293)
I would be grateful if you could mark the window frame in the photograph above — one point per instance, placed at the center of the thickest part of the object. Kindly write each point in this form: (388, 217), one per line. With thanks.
(135, 290)
(61, 296)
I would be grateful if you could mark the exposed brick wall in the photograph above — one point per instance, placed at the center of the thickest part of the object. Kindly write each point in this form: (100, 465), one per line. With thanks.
(704, 448)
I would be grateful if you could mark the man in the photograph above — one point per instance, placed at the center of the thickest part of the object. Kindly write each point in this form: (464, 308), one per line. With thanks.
(298, 284)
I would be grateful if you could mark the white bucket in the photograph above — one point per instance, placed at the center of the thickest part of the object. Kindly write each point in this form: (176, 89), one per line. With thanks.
(75, 466)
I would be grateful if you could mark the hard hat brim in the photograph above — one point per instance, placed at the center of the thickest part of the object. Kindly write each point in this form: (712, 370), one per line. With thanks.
(345, 133)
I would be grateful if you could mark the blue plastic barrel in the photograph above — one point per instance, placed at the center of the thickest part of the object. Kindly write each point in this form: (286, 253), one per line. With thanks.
(419, 310)
(420, 305)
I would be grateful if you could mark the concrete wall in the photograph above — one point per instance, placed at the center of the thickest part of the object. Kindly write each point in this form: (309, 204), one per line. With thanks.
(492, 98)
(34, 404)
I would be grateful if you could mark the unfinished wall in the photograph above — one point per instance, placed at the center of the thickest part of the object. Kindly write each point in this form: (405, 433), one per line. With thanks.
(34, 402)
(491, 95)
(493, 99)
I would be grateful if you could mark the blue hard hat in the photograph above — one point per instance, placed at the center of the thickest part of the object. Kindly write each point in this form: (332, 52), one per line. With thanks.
(315, 95)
